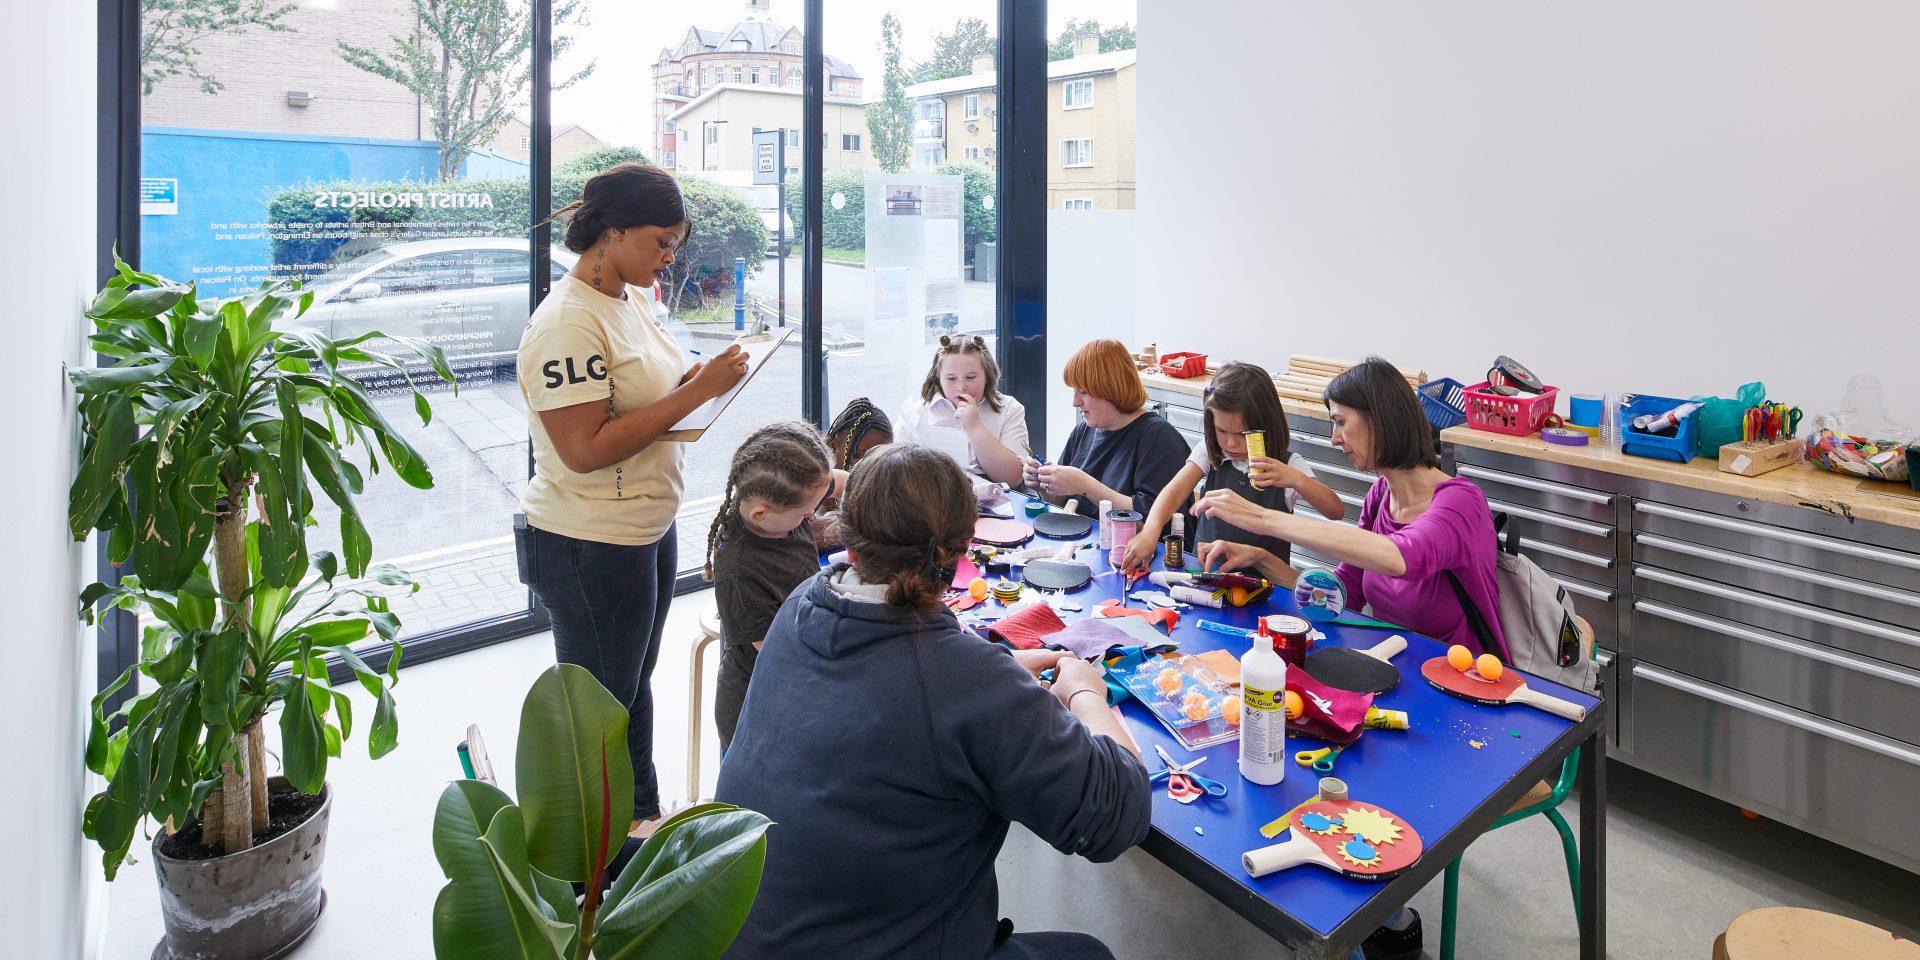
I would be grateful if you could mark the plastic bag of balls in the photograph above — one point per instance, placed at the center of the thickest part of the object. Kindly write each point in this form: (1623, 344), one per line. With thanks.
(1858, 456)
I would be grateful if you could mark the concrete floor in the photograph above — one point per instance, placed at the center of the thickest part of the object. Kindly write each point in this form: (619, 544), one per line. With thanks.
(1680, 865)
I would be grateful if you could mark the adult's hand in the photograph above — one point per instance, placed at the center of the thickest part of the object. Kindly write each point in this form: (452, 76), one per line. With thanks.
(1060, 480)
(1227, 555)
(1040, 661)
(1075, 675)
(718, 375)
(1234, 509)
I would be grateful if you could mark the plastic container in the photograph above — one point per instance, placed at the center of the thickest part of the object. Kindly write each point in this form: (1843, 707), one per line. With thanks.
(1263, 714)
(1517, 416)
(1676, 446)
(1433, 402)
(1182, 366)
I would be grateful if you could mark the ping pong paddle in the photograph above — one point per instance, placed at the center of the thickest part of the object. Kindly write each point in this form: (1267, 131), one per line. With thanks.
(1510, 688)
(1359, 841)
(995, 532)
(1056, 574)
(1360, 671)
(1062, 526)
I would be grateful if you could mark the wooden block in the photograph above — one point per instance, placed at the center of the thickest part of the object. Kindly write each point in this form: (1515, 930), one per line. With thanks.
(1753, 458)
(1303, 397)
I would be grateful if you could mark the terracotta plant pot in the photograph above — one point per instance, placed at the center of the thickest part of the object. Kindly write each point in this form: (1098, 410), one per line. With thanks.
(258, 904)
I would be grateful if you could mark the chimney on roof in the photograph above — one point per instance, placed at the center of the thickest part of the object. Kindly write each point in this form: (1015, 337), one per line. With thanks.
(758, 8)
(1086, 44)
(983, 63)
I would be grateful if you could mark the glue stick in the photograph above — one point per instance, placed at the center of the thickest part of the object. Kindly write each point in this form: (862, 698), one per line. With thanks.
(1263, 717)
(1106, 525)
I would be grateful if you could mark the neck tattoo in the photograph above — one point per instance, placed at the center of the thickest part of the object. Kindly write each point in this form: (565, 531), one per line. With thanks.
(597, 262)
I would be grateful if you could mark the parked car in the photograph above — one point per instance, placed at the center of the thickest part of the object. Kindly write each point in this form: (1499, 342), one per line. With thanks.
(466, 295)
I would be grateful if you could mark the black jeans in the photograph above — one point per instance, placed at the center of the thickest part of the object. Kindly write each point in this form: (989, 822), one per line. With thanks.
(608, 603)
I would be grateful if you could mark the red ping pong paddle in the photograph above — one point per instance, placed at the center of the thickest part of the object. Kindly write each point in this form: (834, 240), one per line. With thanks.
(1510, 688)
(995, 532)
(1359, 841)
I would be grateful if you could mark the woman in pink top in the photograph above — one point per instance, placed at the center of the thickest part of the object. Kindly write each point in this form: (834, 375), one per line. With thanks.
(1416, 526)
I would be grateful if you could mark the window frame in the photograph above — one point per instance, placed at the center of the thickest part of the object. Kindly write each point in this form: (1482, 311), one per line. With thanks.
(1076, 164)
(1066, 93)
(970, 107)
(1076, 203)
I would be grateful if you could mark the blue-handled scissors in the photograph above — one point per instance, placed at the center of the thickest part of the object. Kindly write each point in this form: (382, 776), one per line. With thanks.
(1182, 783)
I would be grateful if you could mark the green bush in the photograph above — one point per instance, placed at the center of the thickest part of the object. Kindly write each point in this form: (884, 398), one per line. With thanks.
(845, 228)
(595, 159)
(725, 226)
(982, 224)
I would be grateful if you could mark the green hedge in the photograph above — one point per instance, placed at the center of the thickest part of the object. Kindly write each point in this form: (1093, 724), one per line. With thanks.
(845, 228)
(982, 225)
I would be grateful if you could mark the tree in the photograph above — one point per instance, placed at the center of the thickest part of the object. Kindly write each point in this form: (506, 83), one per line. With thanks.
(953, 53)
(170, 28)
(1111, 38)
(890, 122)
(592, 160)
(725, 226)
(468, 61)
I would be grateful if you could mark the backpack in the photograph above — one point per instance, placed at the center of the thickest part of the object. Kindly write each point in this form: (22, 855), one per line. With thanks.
(1545, 637)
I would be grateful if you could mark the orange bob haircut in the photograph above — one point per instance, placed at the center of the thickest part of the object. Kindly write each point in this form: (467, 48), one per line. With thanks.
(1105, 369)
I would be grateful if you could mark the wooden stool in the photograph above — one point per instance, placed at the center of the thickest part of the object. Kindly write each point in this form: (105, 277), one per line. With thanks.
(1793, 933)
(709, 635)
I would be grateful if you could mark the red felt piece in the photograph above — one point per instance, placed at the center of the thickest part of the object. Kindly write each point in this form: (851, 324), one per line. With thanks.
(1158, 616)
(1027, 628)
(1327, 713)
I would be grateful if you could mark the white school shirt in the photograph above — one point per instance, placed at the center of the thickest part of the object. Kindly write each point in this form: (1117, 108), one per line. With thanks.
(1199, 459)
(933, 423)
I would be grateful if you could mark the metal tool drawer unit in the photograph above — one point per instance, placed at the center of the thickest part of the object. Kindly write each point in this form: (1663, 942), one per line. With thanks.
(1184, 410)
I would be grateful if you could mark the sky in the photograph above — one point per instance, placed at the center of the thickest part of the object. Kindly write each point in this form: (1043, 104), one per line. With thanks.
(624, 37)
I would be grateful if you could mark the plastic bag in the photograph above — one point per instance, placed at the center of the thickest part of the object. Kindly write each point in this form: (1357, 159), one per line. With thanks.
(1718, 422)
(1860, 439)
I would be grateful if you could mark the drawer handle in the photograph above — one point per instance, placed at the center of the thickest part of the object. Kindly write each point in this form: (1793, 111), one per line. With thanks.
(1553, 520)
(1340, 471)
(1575, 586)
(1578, 556)
(1875, 554)
(1542, 486)
(1603, 658)
(1792, 718)
(1810, 651)
(1789, 608)
(1795, 573)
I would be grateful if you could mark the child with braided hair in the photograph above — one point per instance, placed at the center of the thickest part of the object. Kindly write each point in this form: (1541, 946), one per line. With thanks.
(762, 545)
(859, 428)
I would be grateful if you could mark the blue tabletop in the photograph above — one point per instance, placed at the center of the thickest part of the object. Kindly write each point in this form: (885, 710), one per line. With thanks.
(1431, 775)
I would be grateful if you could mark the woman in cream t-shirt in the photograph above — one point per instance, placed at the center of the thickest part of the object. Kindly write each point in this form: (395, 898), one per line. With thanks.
(605, 382)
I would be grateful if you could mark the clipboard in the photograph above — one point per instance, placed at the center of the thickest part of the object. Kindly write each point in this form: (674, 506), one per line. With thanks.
(694, 425)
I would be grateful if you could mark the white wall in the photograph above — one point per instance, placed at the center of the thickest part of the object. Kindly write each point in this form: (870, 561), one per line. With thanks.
(48, 883)
(1649, 195)
(1089, 296)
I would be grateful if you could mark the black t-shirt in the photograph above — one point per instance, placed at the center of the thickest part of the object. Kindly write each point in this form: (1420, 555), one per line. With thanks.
(1138, 459)
(752, 576)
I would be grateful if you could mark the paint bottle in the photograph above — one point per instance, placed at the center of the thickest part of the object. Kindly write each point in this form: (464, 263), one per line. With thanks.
(1256, 449)
(1106, 525)
(1177, 544)
(1663, 422)
(1263, 718)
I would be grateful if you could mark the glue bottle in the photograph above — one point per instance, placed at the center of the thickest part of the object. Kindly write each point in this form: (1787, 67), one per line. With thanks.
(1263, 715)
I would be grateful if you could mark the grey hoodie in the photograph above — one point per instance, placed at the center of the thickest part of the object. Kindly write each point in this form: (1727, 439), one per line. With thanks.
(891, 750)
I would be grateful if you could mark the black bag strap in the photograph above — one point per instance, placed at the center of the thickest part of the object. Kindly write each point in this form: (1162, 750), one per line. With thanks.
(1474, 618)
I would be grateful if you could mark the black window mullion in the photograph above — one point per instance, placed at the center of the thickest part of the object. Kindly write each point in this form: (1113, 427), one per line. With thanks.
(813, 361)
(1021, 317)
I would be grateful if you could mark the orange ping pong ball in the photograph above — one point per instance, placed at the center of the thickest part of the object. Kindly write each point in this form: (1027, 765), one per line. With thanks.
(1489, 666)
(1168, 681)
(1230, 710)
(978, 588)
(1460, 658)
(1196, 709)
(1293, 705)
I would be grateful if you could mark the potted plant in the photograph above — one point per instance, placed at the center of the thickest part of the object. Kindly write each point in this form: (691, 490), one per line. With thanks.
(515, 871)
(202, 443)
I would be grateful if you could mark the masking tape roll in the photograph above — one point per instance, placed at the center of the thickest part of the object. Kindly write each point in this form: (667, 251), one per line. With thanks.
(1565, 436)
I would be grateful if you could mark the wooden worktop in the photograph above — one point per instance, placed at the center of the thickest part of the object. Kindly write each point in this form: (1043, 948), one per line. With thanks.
(1795, 486)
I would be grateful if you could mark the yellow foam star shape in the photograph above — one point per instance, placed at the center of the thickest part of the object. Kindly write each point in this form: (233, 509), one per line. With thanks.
(1371, 825)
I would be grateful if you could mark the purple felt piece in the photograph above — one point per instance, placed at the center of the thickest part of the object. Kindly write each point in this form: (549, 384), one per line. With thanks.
(1090, 638)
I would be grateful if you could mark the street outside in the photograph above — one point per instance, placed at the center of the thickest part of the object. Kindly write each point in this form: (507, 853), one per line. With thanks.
(456, 538)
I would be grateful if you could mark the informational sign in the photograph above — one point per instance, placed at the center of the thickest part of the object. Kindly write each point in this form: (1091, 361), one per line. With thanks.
(159, 196)
(766, 156)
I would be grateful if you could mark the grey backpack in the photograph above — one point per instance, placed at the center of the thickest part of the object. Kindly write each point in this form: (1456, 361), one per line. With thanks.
(1545, 636)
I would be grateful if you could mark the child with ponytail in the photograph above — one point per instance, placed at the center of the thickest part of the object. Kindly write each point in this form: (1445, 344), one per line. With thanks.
(761, 546)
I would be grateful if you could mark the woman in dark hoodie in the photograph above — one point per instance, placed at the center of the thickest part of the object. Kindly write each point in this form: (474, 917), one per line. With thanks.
(891, 748)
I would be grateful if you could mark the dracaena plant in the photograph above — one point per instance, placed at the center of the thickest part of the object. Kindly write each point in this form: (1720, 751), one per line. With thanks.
(202, 443)
(512, 868)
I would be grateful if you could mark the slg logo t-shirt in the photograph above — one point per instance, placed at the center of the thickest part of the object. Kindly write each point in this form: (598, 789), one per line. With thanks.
(582, 346)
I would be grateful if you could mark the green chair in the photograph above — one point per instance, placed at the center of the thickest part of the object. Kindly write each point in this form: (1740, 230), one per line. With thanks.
(1542, 799)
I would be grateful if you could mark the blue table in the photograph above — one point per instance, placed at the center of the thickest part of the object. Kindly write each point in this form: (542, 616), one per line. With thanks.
(1430, 775)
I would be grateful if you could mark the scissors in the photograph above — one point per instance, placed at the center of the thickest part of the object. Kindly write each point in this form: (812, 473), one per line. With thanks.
(1182, 783)
(1320, 760)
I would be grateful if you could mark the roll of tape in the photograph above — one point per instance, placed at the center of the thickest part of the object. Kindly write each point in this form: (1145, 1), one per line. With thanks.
(1583, 410)
(1333, 788)
(1565, 436)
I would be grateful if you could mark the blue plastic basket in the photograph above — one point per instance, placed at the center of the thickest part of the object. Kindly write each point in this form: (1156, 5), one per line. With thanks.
(1434, 401)
(1676, 446)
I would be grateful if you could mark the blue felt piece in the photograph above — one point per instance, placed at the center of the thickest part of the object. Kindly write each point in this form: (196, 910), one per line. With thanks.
(1318, 822)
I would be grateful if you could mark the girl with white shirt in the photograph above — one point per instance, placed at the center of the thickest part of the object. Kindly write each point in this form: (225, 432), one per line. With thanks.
(961, 412)
(1240, 398)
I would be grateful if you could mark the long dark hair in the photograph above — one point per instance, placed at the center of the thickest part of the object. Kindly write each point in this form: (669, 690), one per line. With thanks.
(958, 346)
(1402, 437)
(623, 197)
(1247, 390)
(780, 463)
(907, 516)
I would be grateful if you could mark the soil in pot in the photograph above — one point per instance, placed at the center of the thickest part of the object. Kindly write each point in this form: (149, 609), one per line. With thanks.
(287, 809)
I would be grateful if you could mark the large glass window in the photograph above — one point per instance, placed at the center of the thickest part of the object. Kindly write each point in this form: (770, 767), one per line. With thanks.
(308, 142)
(910, 235)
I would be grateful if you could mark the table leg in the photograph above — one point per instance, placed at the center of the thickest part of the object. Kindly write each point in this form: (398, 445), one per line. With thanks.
(1593, 847)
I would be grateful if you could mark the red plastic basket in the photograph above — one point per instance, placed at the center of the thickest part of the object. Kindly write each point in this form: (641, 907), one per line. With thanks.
(1517, 415)
(1183, 365)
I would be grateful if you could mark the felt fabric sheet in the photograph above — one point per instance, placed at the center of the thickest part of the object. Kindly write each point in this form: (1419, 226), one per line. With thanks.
(1326, 713)
(1091, 638)
(1029, 627)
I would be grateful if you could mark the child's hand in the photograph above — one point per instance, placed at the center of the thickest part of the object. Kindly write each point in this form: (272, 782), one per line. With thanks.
(1216, 555)
(967, 412)
(1139, 551)
(1269, 472)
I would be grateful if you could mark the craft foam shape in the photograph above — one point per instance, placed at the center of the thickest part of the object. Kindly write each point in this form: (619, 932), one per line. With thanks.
(1510, 688)
(1360, 841)
(1158, 616)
